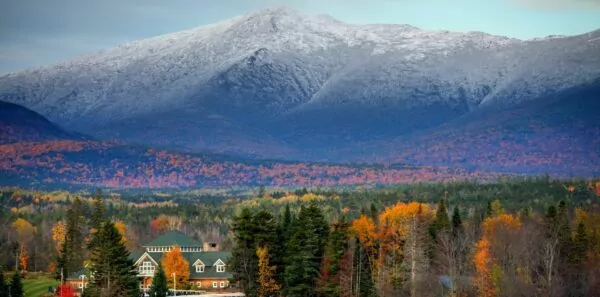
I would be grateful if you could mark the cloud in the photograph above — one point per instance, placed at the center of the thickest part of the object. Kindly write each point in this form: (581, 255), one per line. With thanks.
(560, 4)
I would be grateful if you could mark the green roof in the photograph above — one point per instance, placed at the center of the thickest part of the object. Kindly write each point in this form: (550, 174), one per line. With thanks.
(174, 237)
(208, 258)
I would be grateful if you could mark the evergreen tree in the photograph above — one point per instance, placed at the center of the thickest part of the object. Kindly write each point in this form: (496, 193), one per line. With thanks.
(244, 261)
(457, 225)
(442, 221)
(265, 229)
(306, 248)
(113, 270)
(99, 210)
(577, 260)
(159, 286)
(329, 282)
(374, 212)
(16, 286)
(71, 254)
(3, 286)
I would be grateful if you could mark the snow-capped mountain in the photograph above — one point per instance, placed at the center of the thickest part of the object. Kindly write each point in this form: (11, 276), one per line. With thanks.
(281, 79)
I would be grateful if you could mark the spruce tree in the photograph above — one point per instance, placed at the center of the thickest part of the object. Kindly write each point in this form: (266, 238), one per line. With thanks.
(113, 270)
(4, 289)
(70, 258)
(457, 225)
(159, 286)
(16, 286)
(305, 247)
(244, 262)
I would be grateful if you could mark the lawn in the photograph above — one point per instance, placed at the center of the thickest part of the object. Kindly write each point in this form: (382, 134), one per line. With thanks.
(38, 287)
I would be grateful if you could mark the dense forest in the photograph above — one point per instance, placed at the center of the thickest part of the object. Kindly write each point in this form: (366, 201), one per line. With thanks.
(518, 237)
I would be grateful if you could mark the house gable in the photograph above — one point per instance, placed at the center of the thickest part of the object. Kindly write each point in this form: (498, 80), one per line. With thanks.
(145, 256)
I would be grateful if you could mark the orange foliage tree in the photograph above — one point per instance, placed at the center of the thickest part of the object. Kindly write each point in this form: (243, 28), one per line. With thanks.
(174, 263)
(494, 252)
(25, 232)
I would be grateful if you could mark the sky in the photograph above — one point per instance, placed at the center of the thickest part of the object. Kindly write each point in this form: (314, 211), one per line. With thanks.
(34, 33)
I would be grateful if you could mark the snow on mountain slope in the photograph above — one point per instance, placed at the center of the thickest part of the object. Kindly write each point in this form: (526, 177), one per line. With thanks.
(289, 75)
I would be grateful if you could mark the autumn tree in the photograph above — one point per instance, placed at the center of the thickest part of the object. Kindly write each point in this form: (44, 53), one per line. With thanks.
(59, 232)
(25, 233)
(330, 283)
(267, 285)
(175, 264)
(159, 287)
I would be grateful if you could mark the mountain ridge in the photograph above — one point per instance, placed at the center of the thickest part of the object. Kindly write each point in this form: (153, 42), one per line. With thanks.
(258, 85)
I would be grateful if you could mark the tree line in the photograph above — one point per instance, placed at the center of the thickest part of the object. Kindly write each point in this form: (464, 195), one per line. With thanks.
(419, 249)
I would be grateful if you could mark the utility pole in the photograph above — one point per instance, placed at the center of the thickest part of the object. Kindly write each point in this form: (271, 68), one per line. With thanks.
(82, 283)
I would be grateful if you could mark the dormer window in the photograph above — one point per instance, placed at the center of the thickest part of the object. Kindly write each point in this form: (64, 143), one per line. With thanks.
(220, 268)
(199, 268)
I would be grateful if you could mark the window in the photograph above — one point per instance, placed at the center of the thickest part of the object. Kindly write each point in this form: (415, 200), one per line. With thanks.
(199, 284)
(199, 268)
(146, 268)
(220, 268)
(222, 284)
(80, 285)
(214, 284)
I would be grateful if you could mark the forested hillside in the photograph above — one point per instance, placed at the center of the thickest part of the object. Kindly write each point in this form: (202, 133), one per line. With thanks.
(492, 239)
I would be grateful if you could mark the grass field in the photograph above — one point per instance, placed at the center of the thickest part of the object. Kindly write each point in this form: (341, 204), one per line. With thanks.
(38, 287)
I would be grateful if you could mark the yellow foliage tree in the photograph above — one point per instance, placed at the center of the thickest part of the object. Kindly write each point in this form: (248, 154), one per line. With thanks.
(59, 231)
(122, 228)
(174, 263)
(268, 286)
(25, 232)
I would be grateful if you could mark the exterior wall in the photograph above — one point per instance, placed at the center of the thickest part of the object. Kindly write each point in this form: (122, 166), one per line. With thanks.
(76, 284)
(207, 284)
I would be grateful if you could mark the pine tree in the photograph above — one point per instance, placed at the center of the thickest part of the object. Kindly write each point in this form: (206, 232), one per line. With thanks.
(159, 286)
(70, 258)
(16, 286)
(98, 212)
(113, 270)
(244, 261)
(306, 248)
(577, 260)
(457, 225)
(4, 288)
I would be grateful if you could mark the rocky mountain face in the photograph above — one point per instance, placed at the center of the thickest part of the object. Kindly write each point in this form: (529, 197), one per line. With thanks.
(277, 83)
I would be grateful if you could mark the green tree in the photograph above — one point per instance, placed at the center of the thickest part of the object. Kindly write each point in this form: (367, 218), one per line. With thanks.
(244, 261)
(364, 286)
(305, 247)
(159, 286)
(16, 286)
(113, 270)
(457, 225)
(4, 288)
(71, 254)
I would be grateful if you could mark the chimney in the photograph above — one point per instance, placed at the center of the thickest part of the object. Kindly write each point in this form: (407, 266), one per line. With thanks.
(210, 247)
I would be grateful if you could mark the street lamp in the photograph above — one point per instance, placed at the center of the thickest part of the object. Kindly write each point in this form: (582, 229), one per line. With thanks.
(174, 284)
(82, 282)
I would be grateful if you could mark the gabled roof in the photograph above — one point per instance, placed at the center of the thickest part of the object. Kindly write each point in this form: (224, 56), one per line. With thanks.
(174, 237)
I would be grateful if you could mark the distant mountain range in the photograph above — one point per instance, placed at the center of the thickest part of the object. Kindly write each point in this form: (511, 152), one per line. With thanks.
(279, 84)
(53, 158)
